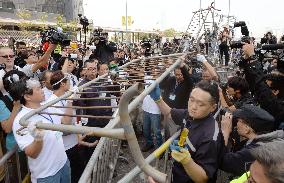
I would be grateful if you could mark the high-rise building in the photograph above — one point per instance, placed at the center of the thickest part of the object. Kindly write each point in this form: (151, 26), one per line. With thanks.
(68, 8)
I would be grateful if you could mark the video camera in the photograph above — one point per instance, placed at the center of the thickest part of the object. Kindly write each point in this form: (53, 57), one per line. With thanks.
(245, 33)
(83, 20)
(99, 35)
(55, 36)
(272, 48)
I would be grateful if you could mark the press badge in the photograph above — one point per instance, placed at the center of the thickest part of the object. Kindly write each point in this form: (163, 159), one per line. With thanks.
(102, 94)
(172, 96)
(84, 121)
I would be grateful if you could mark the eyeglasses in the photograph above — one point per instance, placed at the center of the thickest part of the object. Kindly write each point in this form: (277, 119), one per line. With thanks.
(91, 68)
(250, 179)
(7, 56)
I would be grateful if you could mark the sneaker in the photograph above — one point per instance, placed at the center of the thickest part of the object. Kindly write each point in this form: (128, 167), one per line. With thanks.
(147, 147)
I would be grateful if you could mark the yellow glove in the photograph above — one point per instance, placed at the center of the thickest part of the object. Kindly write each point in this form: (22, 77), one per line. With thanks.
(182, 156)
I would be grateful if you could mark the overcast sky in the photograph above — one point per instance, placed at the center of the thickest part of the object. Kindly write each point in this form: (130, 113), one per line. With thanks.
(260, 15)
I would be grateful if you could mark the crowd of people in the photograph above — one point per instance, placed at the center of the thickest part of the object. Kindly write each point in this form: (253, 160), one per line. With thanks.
(247, 140)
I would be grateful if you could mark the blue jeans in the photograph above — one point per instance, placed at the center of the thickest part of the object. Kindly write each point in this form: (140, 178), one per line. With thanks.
(62, 176)
(152, 121)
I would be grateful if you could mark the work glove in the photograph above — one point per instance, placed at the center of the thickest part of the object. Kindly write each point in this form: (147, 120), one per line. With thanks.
(200, 58)
(156, 94)
(180, 154)
(183, 156)
(37, 134)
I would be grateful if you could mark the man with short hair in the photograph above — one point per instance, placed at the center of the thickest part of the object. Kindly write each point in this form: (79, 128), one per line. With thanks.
(268, 166)
(176, 89)
(199, 161)
(238, 91)
(95, 92)
(21, 54)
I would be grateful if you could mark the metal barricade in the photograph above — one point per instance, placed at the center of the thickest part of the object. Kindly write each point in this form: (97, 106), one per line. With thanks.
(101, 164)
(14, 173)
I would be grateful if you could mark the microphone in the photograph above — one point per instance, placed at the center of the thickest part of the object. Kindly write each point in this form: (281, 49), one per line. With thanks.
(272, 47)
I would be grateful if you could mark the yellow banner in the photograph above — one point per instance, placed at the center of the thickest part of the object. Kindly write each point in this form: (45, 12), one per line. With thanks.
(123, 21)
(129, 21)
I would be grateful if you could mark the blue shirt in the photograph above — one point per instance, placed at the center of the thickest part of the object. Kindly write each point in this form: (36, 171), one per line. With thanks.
(4, 115)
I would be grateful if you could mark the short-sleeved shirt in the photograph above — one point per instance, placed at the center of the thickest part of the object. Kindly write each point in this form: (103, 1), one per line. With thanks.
(52, 156)
(4, 115)
(68, 140)
(204, 135)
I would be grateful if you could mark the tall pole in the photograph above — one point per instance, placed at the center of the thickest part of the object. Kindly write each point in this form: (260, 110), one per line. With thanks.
(126, 18)
(199, 13)
(229, 11)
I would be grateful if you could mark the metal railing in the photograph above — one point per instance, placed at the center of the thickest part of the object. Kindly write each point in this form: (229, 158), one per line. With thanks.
(101, 164)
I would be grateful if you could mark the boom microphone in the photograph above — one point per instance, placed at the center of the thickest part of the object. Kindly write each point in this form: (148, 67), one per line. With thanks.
(272, 46)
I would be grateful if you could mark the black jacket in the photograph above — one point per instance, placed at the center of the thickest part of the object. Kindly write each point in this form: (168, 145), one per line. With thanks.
(245, 99)
(104, 52)
(262, 93)
(236, 162)
(181, 91)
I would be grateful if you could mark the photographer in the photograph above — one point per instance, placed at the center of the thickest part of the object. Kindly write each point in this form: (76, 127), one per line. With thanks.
(270, 99)
(104, 51)
(146, 47)
(167, 47)
(7, 57)
(269, 39)
(252, 124)
(238, 91)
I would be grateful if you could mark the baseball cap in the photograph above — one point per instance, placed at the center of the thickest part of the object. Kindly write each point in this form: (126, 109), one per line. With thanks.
(257, 118)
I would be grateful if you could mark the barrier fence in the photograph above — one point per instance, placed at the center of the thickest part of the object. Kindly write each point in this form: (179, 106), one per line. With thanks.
(101, 165)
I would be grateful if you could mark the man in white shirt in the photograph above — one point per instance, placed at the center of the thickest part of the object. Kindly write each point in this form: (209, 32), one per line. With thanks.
(45, 150)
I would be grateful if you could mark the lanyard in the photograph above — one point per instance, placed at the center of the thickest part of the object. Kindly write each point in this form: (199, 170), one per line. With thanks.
(62, 103)
(49, 119)
(176, 85)
(73, 80)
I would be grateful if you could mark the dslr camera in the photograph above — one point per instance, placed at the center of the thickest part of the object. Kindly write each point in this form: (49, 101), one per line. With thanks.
(245, 33)
(55, 36)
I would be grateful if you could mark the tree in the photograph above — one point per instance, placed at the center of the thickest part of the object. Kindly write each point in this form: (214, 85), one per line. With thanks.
(73, 25)
(25, 16)
(43, 19)
(170, 32)
(59, 21)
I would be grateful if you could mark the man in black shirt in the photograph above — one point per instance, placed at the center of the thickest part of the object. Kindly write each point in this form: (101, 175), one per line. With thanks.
(176, 89)
(198, 164)
(21, 54)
